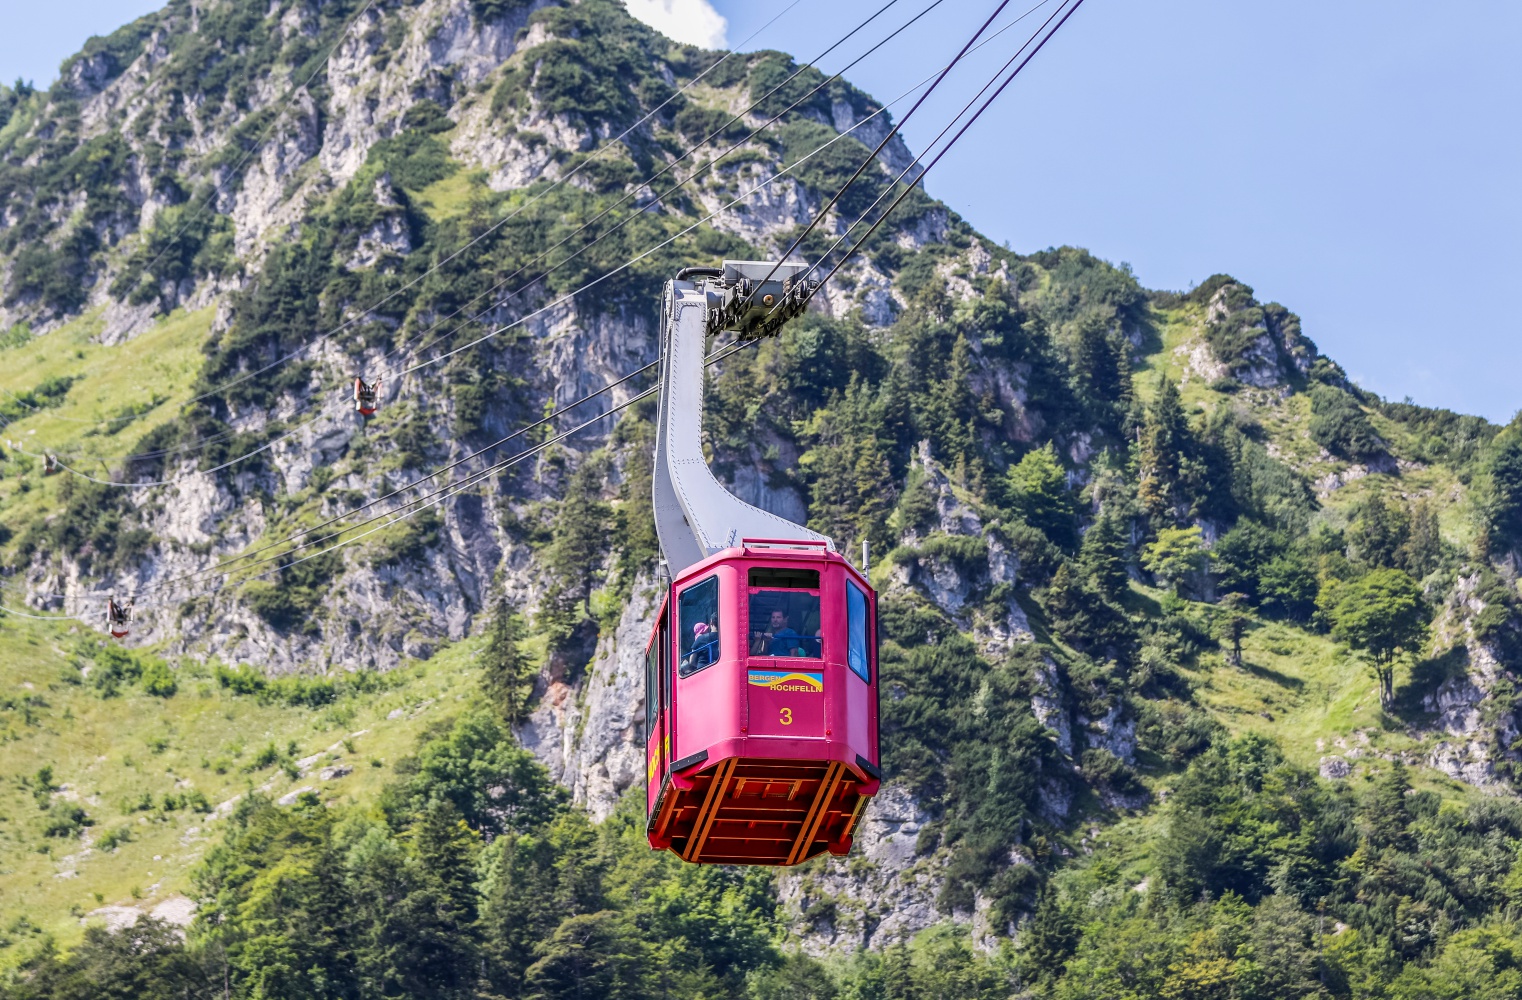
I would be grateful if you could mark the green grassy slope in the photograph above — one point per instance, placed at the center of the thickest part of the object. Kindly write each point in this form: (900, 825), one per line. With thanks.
(148, 766)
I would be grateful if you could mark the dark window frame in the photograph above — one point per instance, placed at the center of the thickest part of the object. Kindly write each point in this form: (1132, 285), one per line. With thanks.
(867, 633)
(683, 669)
(818, 596)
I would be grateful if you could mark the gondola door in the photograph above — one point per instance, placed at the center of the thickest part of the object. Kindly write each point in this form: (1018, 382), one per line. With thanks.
(658, 714)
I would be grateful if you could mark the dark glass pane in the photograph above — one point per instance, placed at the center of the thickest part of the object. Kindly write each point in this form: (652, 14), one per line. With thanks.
(652, 685)
(778, 577)
(856, 631)
(784, 623)
(698, 626)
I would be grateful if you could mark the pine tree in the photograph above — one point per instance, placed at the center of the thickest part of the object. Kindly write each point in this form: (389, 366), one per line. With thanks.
(1102, 557)
(852, 491)
(635, 517)
(1038, 488)
(1095, 366)
(1379, 533)
(1385, 815)
(1050, 937)
(1164, 442)
(1423, 550)
(592, 955)
(574, 557)
(1231, 626)
(898, 979)
(1500, 493)
(427, 943)
(952, 408)
(505, 670)
(581, 531)
(538, 881)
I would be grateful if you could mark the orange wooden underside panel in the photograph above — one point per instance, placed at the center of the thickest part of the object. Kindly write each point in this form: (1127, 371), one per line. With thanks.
(762, 812)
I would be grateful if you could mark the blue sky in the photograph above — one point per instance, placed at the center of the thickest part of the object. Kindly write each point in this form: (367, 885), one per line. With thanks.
(1357, 161)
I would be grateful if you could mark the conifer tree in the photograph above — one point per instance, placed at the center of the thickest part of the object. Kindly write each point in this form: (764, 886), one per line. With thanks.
(1037, 486)
(1050, 937)
(952, 408)
(539, 880)
(1102, 557)
(1385, 815)
(1231, 626)
(1423, 550)
(575, 554)
(427, 943)
(505, 670)
(1500, 493)
(1379, 533)
(635, 518)
(590, 955)
(1164, 440)
(898, 974)
(1095, 364)
(852, 488)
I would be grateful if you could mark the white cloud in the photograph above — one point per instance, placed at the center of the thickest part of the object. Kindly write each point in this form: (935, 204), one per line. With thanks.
(693, 22)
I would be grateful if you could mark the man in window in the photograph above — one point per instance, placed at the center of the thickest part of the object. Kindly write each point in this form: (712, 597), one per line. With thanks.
(781, 640)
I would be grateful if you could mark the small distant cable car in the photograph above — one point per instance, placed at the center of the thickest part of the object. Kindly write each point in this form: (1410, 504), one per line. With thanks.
(50, 466)
(366, 396)
(118, 617)
(761, 670)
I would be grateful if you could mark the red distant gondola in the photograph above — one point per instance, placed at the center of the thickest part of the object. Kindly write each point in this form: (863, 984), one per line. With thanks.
(366, 396)
(118, 617)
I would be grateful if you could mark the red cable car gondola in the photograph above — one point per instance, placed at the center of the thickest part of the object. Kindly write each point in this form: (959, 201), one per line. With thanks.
(761, 671)
(118, 617)
(366, 396)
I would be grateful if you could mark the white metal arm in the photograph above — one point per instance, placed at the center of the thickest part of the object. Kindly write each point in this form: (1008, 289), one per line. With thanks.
(695, 516)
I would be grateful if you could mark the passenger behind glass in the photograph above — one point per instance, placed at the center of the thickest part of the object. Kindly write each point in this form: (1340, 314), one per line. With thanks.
(781, 640)
(705, 648)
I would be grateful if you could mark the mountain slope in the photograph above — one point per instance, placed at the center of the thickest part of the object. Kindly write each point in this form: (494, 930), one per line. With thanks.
(1082, 495)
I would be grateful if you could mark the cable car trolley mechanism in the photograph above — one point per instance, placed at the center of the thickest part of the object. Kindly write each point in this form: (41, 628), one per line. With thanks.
(761, 670)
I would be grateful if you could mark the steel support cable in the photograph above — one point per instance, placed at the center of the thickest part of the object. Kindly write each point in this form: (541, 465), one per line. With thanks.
(889, 190)
(689, 152)
(554, 186)
(519, 210)
(953, 141)
(439, 472)
(872, 157)
(710, 164)
(177, 479)
(263, 138)
(569, 296)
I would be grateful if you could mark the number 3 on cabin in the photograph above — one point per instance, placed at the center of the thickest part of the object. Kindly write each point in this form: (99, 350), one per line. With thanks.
(787, 716)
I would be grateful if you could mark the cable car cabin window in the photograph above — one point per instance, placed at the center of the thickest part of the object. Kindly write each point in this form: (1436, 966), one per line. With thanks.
(652, 686)
(784, 623)
(781, 577)
(698, 624)
(856, 632)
